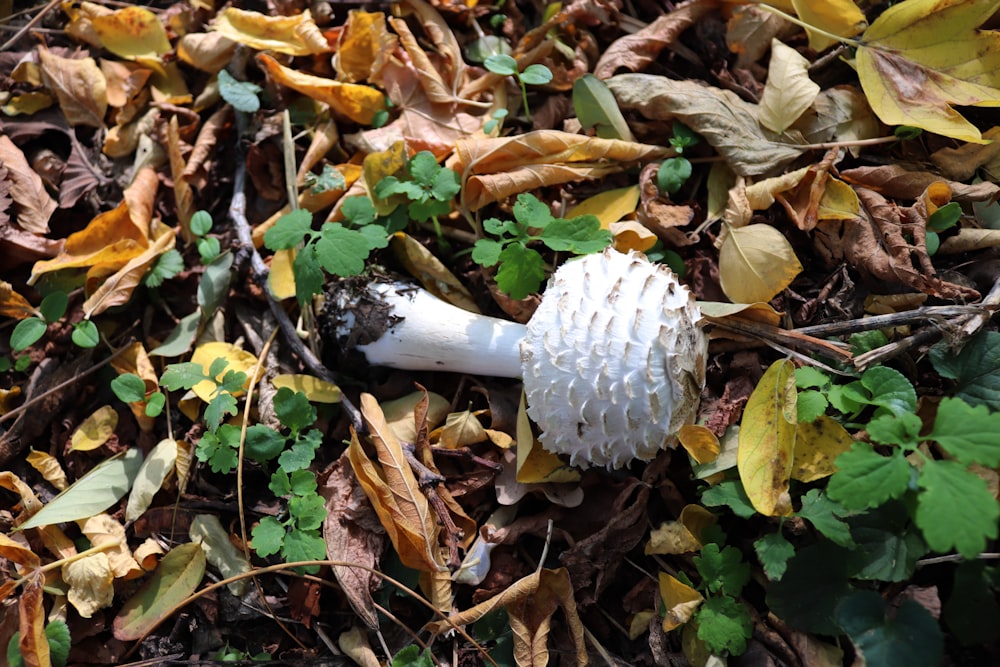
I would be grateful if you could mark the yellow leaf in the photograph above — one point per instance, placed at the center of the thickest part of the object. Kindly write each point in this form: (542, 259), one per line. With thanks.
(79, 85)
(356, 102)
(534, 464)
(789, 91)
(95, 430)
(682, 536)
(699, 442)
(294, 35)
(431, 272)
(920, 57)
(27, 104)
(609, 206)
(755, 263)
(281, 277)
(19, 553)
(209, 52)
(461, 429)
(631, 235)
(380, 164)
(132, 32)
(49, 468)
(13, 304)
(399, 413)
(839, 17)
(767, 440)
(817, 444)
(839, 202)
(237, 360)
(104, 531)
(319, 391)
(365, 46)
(91, 583)
(117, 289)
(679, 600)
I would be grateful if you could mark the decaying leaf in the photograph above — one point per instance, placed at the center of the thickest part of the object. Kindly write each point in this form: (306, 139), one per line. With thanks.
(79, 85)
(817, 445)
(681, 601)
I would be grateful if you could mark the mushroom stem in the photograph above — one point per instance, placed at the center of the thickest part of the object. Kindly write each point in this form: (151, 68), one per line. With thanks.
(426, 333)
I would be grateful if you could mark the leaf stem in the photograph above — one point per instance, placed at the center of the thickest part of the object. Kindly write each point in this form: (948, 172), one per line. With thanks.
(802, 24)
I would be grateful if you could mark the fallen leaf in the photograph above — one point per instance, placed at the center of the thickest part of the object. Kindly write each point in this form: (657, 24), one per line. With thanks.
(789, 91)
(835, 17)
(536, 465)
(208, 51)
(79, 85)
(237, 360)
(117, 288)
(95, 430)
(32, 202)
(31, 613)
(294, 35)
(104, 531)
(680, 601)
(220, 552)
(13, 304)
(683, 536)
(364, 47)
(90, 583)
(435, 277)
(920, 57)
(49, 468)
(152, 473)
(177, 576)
(315, 389)
(608, 206)
(132, 33)
(817, 445)
(756, 262)
(767, 440)
(699, 442)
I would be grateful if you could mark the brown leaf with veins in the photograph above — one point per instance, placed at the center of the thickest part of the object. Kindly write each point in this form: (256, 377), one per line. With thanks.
(79, 85)
(33, 204)
(896, 181)
(876, 244)
(33, 644)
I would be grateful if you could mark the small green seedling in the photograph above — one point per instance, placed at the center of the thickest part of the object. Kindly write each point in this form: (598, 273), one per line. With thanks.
(674, 172)
(939, 221)
(243, 95)
(30, 330)
(429, 189)
(222, 402)
(495, 123)
(522, 268)
(534, 75)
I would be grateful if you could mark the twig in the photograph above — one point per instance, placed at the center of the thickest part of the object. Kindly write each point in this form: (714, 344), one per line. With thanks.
(29, 25)
(428, 480)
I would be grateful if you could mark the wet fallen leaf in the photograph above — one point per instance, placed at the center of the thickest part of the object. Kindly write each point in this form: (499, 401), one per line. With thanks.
(767, 440)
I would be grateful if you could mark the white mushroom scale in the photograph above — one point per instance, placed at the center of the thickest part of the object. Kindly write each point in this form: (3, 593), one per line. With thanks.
(613, 360)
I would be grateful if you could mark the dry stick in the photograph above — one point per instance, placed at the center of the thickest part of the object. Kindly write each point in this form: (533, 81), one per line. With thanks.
(428, 480)
(259, 271)
(29, 25)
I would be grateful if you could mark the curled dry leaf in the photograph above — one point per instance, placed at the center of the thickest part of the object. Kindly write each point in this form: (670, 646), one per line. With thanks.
(898, 182)
(726, 122)
(294, 35)
(32, 203)
(364, 47)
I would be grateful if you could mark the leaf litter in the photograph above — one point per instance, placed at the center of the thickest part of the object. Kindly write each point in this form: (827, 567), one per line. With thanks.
(837, 141)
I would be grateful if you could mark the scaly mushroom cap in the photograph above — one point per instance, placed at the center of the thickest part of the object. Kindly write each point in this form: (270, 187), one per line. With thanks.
(613, 361)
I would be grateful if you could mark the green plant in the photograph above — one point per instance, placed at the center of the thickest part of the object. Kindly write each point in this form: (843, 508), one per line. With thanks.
(222, 401)
(29, 331)
(723, 622)
(428, 189)
(522, 268)
(534, 75)
(208, 246)
(58, 636)
(327, 180)
(495, 123)
(339, 249)
(130, 388)
(674, 172)
(243, 95)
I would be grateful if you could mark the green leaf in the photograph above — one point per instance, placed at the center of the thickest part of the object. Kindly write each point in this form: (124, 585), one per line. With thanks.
(413, 656)
(280, 484)
(422, 211)
(208, 249)
(581, 235)
(976, 369)
(945, 217)
(330, 179)
(302, 483)
(308, 274)
(501, 64)
(683, 137)
(673, 174)
(57, 632)
(956, 509)
(308, 511)
(241, 94)
(731, 494)
(810, 406)
(503, 228)
(267, 536)
(85, 334)
(176, 577)
(866, 341)
(596, 107)
(890, 389)
(221, 405)
(183, 375)
(972, 609)
(722, 571)
(531, 212)
(486, 252)
(424, 168)
(155, 404)
(536, 75)
(724, 625)
(888, 543)
(824, 514)
(446, 185)
(302, 452)
(96, 491)
(53, 307)
(968, 433)
(521, 271)
(201, 223)
(214, 284)
(293, 409)
(166, 266)
(910, 637)
(866, 479)
(304, 545)
(220, 457)
(359, 210)
(375, 236)
(129, 388)
(26, 333)
(903, 430)
(816, 579)
(180, 339)
(808, 377)
(263, 443)
(774, 550)
(290, 229)
(341, 251)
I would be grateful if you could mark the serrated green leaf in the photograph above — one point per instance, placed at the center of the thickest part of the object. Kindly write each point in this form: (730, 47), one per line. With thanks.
(413, 656)
(308, 511)
(969, 433)
(956, 509)
(888, 543)
(424, 168)
(293, 409)
(166, 266)
(129, 388)
(302, 483)
(446, 185)
(486, 252)
(26, 333)
(810, 406)
(341, 251)
(774, 550)
(910, 637)
(375, 236)
(580, 235)
(183, 375)
(300, 455)
(824, 514)
(724, 625)
(280, 484)
(890, 389)
(521, 271)
(722, 571)
(976, 369)
(302, 545)
(422, 211)
(359, 210)
(501, 227)
(807, 377)
(267, 536)
(241, 94)
(903, 430)
(289, 230)
(263, 443)
(308, 274)
(221, 405)
(867, 479)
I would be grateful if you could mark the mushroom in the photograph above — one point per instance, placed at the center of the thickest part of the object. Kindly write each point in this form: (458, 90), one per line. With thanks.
(613, 360)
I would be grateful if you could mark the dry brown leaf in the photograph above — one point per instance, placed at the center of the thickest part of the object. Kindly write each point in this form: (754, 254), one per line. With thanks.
(79, 85)
(117, 288)
(634, 52)
(209, 52)
(750, 31)
(49, 468)
(104, 531)
(183, 194)
(394, 493)
(91, 583)
(896, 181)
(530, 602)
(436, 89)
(33, 644)
(961, 163)
(431, 272)
(33, 204)
(13, 304)
(838, 114)
(727, 123)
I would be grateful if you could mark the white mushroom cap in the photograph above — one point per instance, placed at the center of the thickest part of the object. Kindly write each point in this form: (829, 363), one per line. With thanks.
(613, 361)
